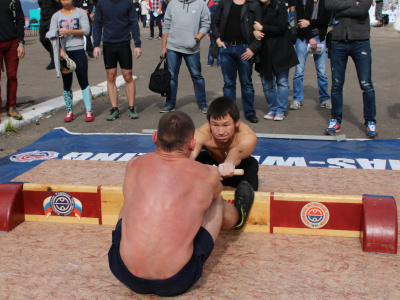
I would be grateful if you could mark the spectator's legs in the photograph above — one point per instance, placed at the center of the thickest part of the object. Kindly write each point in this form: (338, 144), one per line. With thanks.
(360, 52)
(67, 90)
(144, 19)
(301, 50)
(339, 57)
(283, 89)
(320, 66)
(174, 64)
(112, 87)
(11, 61)
(130, 87)
(229, 70)
(152, 18)
(81, 72)
(245, 69)
(159, 24)
(269, 92)
(193, 63)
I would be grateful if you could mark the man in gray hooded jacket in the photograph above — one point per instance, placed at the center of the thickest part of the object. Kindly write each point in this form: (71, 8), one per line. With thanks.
(185, 24)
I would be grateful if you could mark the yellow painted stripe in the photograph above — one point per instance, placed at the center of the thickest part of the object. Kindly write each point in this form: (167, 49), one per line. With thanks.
(323, 232)
(60, 187)
(318, 198)
(58, 219)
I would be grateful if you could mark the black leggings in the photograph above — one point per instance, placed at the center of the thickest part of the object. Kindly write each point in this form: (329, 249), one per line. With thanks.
(249, 165)
(80, 59)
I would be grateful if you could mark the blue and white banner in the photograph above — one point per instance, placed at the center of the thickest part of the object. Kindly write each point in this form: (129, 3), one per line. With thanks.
(61, 144)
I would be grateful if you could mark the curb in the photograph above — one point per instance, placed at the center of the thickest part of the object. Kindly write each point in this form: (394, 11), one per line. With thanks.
(38, 111)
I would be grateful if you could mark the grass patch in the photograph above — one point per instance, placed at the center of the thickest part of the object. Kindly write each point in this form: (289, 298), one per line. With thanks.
(10, 127)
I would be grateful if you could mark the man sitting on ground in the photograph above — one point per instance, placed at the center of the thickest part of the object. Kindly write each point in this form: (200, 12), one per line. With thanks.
(228, 142)
(172, 214)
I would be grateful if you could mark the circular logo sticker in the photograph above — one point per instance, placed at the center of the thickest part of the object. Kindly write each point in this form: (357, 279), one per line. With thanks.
(33, 155)
(315, 215)
(62, 203)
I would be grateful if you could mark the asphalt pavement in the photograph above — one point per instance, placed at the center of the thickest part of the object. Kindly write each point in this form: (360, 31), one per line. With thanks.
(40, 89)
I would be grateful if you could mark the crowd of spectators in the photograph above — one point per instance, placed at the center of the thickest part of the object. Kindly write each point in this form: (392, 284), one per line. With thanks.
(244, 35)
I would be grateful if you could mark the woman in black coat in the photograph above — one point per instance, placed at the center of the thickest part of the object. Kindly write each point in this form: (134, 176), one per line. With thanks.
(277, 57)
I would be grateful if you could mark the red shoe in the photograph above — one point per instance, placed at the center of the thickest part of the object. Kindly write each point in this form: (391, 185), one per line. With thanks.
(69, 117)
(89, 116)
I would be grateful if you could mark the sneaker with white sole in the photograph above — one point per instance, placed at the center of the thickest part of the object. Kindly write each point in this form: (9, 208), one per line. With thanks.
(279, 117)
(89, 116)
(132, 113)
(167, 108)
(69, 117)
(114, 113)
(371, 130)
(203, 109)
(326, 104)
(270, 115)
(333, 127)
(295, 105)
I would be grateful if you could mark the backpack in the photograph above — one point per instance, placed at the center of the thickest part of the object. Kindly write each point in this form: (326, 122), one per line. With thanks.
(160, 79)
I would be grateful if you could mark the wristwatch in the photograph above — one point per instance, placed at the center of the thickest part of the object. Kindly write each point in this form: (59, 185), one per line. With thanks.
(197, 40)
(21, 43)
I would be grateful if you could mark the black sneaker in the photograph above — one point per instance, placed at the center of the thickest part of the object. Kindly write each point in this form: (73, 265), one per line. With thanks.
(50, 66)
(244, 198)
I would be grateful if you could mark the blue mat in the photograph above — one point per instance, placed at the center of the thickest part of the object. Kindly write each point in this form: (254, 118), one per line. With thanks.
(61, 144)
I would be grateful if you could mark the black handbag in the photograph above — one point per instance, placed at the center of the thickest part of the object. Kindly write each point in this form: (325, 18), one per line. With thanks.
(160, 79)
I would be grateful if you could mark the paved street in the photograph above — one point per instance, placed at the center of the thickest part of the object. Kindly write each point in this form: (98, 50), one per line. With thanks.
(37, 85)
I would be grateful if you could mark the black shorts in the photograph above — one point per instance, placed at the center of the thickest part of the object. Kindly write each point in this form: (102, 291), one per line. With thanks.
(173, 286)
(114, 54)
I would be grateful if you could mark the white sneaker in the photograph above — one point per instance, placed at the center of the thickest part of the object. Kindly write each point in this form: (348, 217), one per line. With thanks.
(326, 104)
(270, 115)
(279, 117)
(295, 105)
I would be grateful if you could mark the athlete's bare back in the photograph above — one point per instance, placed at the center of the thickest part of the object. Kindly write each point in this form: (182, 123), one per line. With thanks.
(166, 195)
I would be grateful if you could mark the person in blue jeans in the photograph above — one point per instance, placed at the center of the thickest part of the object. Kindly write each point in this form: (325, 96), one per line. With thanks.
(275, 65)
(231, 26)
(313, 22)
(350, 38)
(183, 29)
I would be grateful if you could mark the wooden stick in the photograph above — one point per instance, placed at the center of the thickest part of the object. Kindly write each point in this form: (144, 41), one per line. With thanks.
(238, 172)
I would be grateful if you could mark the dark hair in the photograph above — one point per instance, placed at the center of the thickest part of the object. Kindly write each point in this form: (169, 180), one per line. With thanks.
(175, 130)
(221, 107)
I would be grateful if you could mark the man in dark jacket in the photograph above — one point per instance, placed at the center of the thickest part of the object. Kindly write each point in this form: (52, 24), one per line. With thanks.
(12, 22)
(47, 9)
(313, 23)
(232, 27)
(350, 37)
